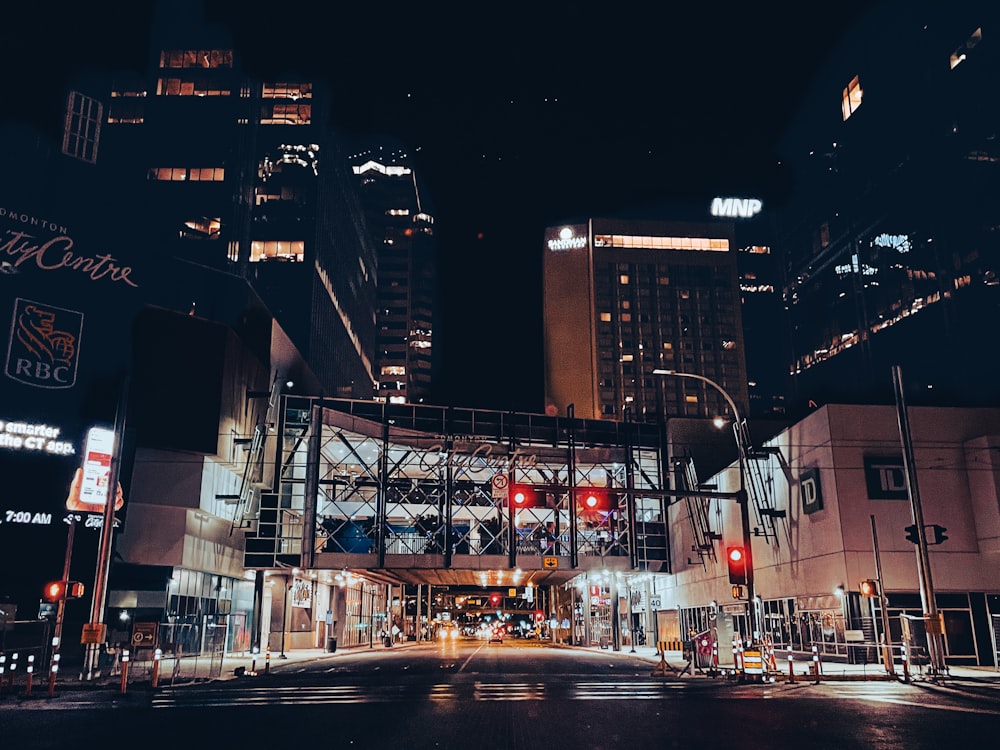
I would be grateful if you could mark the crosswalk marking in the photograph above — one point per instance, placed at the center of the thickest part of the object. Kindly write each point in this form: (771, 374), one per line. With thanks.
(477, 691)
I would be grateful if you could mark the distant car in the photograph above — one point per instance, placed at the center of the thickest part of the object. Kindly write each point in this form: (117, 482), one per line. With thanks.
(496, 636)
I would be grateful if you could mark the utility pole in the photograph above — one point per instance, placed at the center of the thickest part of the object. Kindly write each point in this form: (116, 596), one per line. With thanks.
(883, 605)
(933, 621)
(99, 600)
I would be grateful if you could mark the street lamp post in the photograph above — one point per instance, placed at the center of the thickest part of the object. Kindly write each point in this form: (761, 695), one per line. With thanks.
(742, 498)
(284, 619)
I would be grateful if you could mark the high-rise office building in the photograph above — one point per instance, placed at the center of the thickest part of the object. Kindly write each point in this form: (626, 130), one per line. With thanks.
(401, 225)
(213, 254)
(623, 298)
(890, 240)
(246, 176)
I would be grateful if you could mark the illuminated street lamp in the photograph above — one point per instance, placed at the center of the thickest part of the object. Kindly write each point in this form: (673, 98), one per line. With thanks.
(742, 495)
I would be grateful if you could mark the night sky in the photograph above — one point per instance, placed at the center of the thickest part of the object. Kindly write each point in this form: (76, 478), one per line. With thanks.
(520, 115)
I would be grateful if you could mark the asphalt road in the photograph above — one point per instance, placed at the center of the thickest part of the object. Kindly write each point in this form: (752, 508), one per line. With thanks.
(509, 696)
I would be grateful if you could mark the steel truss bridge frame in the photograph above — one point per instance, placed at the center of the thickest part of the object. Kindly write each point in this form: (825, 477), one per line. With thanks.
(404, 494)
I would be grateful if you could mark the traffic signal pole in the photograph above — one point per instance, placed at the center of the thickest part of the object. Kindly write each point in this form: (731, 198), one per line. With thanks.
(743, 500)
(61, 606)
(103, 567)
(933, 622)
(883, 602)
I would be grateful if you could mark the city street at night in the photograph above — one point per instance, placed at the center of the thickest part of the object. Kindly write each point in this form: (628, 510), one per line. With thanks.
(513, 695)
(574, 377)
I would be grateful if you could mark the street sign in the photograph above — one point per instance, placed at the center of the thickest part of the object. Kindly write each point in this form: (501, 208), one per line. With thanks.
(500, 485)
(654, 602)
(144, 634)
(550, 562)
(93, 633)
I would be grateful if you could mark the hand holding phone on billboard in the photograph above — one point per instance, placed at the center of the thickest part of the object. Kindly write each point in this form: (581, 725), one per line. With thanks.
(88, 491)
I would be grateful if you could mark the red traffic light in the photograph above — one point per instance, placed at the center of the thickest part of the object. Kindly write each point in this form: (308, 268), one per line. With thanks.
(525, 496)
(736, 559)
(594, 500)
(495, 599)
(54, 591)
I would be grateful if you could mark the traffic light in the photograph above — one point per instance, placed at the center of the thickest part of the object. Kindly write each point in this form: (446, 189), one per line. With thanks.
(736, 559)
(868, 587)
(912, 534)
(54, 591)
(495, 600)
(525, 496)
(939, 535)
(595, 500)
(738, 592)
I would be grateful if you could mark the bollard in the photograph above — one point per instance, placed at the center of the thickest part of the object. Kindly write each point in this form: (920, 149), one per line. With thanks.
(253, 662)
(816, 664)
(906, 663)
(53, 669)
(30, 674)
(155, 680)
(791, 669)
(11, 669)
(124, 685)
(267, 661)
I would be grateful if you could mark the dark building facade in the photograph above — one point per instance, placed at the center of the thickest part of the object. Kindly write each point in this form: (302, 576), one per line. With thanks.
(890, 240)
(189, 247)
(400, 221)
(246, 176)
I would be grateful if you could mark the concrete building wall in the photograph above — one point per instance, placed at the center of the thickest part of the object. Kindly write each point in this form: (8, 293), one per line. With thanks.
(815, 552)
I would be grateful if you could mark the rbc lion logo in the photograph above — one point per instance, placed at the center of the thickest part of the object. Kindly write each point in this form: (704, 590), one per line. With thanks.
(44, 345)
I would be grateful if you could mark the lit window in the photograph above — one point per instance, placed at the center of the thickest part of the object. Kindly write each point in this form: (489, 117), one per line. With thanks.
(852, 98)
(623, 279)
(186, 87)
(393, 370)
(183, 174)
(626, 317)
(605, 317)
(287, 91)
(286, 114)
(627, 358)
(126, 111)
(277, 250)
(691, 399)
(203, 228)
(668, 345)
(210, 58)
